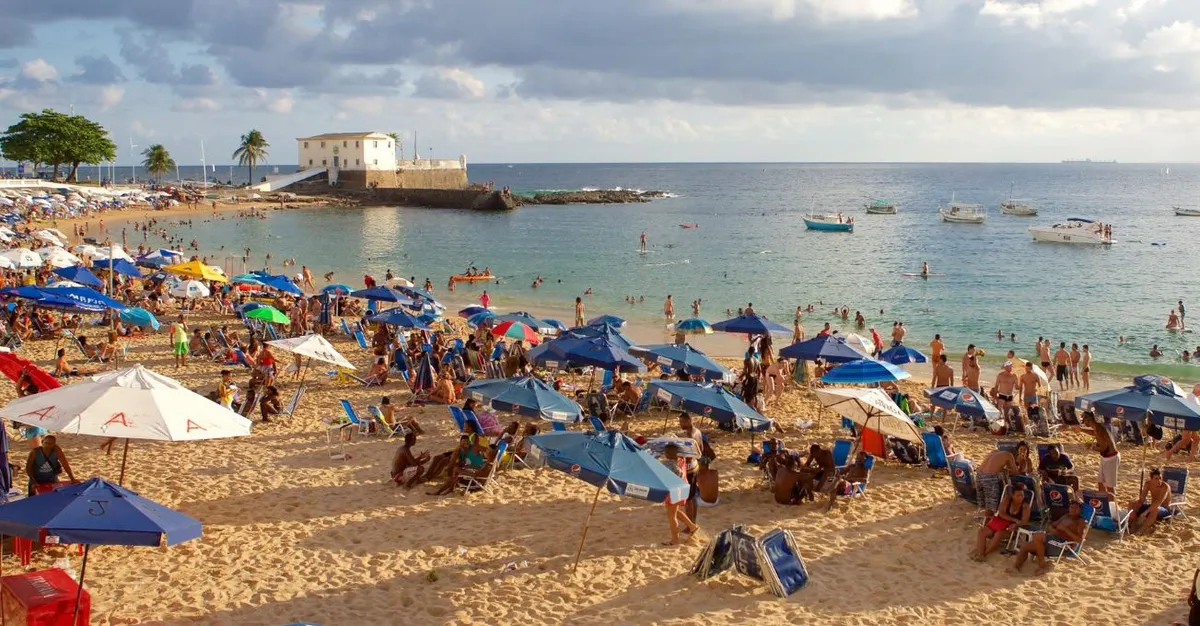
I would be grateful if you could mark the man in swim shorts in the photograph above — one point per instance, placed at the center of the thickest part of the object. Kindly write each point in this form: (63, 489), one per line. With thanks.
(1062, 361)
(1068, 529)
(1006, 383)
(1029, 386)
(991, 477)
(1110, 457)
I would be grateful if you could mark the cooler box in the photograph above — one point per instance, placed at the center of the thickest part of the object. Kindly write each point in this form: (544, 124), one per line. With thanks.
(43, 598)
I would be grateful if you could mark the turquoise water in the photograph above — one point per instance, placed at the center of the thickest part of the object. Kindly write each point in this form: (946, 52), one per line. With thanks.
(751, 246)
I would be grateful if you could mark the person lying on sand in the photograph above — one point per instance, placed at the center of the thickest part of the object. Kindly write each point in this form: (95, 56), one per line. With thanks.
(407, 469)
(1069, 528)
(1014, 510)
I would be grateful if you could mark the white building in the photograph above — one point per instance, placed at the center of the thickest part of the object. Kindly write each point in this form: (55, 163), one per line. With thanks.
(369, 151)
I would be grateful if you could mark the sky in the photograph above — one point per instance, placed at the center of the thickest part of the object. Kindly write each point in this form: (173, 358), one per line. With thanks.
(509, 81)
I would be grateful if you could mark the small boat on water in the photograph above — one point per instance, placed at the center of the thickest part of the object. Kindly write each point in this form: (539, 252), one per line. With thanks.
(1076, 230)
(963, 213)
(1017, 206)
(1187, 212)
(880, 207)
(829, 222)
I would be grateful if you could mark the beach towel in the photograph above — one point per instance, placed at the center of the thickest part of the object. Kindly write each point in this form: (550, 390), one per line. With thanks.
(991, 487)
(1108, 470)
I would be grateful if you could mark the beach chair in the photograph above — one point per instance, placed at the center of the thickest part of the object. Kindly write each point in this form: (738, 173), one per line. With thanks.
(597, 424)
(483, 479)
(391, 430)
(12, 342)
(848, 426)
(460, 420)
(1109, 516)
(1056, 498)
(643, 405)
(859, 488)
(962, 474)
(1008, 446)
(346, 328)
(471, 418)
(364, 426)
(558, 427)
(1177, 478)
(240, 359)
(250, 402)
(89, 358)
(1043, 450)
(361, 339)
(935, 452)
(841, 452)
(606, 382)
(289, 409)
(1037, 511)
(1066, 548)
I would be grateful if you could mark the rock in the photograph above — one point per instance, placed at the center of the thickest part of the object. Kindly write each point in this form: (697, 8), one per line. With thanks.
(599, 196)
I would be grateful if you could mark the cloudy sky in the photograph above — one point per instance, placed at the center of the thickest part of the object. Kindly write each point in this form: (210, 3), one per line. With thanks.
(624, 80)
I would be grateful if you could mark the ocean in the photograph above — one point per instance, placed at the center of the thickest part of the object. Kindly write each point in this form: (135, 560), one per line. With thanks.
(751, 246)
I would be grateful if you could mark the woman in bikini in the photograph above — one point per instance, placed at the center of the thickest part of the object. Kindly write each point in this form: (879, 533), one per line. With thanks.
(1014, 510)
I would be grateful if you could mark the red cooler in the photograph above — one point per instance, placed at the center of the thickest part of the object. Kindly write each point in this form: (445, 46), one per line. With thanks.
(43, 598)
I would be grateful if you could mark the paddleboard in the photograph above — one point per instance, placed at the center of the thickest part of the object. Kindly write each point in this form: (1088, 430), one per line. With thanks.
(919, 275)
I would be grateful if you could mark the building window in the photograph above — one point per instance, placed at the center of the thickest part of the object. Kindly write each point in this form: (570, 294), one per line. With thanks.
(356, 161)
(310, 161)
(344, 144)
(389, 144)
(376, 161)
(355, 144)
(322, 144)
(306, 144)
(323, 162)
(374, 144)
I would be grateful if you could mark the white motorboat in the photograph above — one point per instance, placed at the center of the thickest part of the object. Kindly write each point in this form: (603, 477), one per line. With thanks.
(1075, 230)
(880, 207)
(1187, 212)
(963, 213)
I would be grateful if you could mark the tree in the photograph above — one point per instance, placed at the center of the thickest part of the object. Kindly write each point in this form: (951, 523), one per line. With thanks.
(396, 143)
(158, 161)
(250, 151)
(57, 139)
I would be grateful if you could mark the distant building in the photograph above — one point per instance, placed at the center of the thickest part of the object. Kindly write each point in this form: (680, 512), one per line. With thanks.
(365, 159)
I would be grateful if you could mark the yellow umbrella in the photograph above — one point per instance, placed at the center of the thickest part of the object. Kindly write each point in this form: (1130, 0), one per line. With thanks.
(196, 269)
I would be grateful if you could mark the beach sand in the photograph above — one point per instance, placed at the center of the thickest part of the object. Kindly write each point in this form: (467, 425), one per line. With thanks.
(290, 535)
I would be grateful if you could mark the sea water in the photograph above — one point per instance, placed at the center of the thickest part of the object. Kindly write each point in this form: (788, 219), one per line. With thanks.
(751, 246)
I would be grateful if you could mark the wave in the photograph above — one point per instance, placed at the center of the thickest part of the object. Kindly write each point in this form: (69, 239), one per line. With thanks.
(666, 263)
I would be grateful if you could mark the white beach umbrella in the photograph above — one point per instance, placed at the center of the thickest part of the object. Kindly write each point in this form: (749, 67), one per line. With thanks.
(117, 252)
(56, 232)
(871, 408)
(7, 264)
(23, 257)
(86, 249)
(58, 257)
(6, 201)
(314, 347)
(860, 343)
(190, 289)
(49, 237)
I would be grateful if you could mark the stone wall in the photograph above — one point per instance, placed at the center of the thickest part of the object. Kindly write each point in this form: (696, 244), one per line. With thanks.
(405, 178)
(440, 199)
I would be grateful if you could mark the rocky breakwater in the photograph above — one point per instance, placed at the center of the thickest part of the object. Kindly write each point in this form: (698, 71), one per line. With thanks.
(596, 196)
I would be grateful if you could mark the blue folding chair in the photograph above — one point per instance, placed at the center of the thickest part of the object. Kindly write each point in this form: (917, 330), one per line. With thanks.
(935, 452)
(606, 383)
(1029, 484)
(1056, 498)
(362, 340)
(597, 424)
(1008, 446)
(963, 477)
(558, 427)
(1177, 478)
(346, 328)
(841, 452)
(364, 427)
(1110, 517)
(460, 420)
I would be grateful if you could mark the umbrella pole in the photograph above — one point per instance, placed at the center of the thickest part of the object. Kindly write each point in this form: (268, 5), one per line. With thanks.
(586, 524)
(1141, 474)
(79, 592)
(124, 459)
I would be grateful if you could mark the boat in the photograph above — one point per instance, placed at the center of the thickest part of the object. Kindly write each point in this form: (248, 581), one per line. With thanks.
(1017, 206)
(963, 213)
(1075, 230)
(470, 278)
(1187, 212)
(829, 222)
(880, 207)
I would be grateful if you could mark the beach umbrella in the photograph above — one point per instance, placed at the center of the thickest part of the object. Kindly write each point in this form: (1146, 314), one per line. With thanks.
(337, 289)
(133, 403)
(685, 357)
(250, 306)
(901, 354)
(1037, 371)
(12, 366)
(120, 266)
(526, 396)
(246, 279)
(413, 292)
(6, 481)
(963, 401)
(7, 263)
(23, 257)
(480, 319)
(96, 512)
(115, 251)
(171, 256)
(281, 283)
(753, 324)
(49, 237)
(268, 314)
(860, 343)
(1141, 403)
(597, 352)
(516, 330)
(57, 257)
(555, 324)
(379, 293)
(712, 401)
(871, 408)
(1161, 384)
(474, 309)
(610, 320)
(608, 333)
(137, 316)
(398, 317)
(686, 445)
(196, 269)
(84, 297)
(314, 347)
(423, 375)
(693, 326)
(864, 372)
(825, 347)
(81, 275)
(154, 263)
(190, 289)
(524, 318)
(610, 461)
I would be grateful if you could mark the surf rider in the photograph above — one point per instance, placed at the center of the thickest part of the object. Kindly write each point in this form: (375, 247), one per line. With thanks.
(643, 241)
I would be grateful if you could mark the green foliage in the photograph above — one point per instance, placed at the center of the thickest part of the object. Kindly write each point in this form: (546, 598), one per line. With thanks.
(250, 151)
(158, 161)
(53, 138)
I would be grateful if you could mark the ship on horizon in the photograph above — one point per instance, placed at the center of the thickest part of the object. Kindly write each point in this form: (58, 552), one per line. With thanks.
(1090, 161)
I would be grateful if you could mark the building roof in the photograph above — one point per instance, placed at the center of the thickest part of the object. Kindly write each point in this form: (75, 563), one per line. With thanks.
(343, 136)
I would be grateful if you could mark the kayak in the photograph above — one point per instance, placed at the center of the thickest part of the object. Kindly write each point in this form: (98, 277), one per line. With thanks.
(465, 278)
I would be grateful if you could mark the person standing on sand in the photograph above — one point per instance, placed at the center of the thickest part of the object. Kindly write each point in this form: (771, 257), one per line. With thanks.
(674, 463)
(1062, 361)
(943, 374)
(1085, 368)
(1044, 352)
(179, 342)
(578, 311)
(1110, 457)
(936, 347)
(308, 281)
(1029, 386)
(1075, 356)
(669, 308)
(1006, 383)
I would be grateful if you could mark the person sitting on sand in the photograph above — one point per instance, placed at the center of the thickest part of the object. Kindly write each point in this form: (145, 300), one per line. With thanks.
(1069, 528)
(61, 366)
(378, 374)
(443, 391)
(991, 477)
(409, 469)
(1151, 504)
(1056, 468)
(1014, 509)
(675, 512)
(857, 472)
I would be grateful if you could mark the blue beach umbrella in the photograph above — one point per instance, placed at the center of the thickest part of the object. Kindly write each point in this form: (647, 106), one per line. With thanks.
(337, 289)
(413, 292)
(714, 402)
(96, 512)
(594, 351)
(85, 297)
(825, 347)
(693, 326)
(247, 279)
(380, 293)
(525, 396)
(555, 324)
(422, 376)
(398, 317)
(137, 316)
(5, 470)
(1136, 404)
(685, 357)
(610, 461)
(480, 319)
(610, 334)
(606, 319)
(250, 306)
(864, 372)
(281, 283)
(474, 309)
(964, 401)
(155, 262)
(524, 318)
(120, 266)
(80, 274)
(1161, 384)
(753, 324)
(901, 354)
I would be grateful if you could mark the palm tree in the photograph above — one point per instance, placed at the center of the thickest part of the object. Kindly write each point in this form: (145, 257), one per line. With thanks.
(252, 150)
(395, 143)
(158, 161)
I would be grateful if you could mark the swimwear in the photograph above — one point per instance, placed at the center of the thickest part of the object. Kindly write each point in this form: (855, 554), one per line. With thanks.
(1031, 400)
(409, 472)
(990, 490)
(1163, 512)
(706, 504)
(1107, 475)
(1045, 364)
(1007, 397)
(1060, 372)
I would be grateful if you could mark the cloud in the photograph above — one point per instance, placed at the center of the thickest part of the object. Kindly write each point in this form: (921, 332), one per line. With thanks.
(449, 84)
(110, 96)
(97, 70)
(38, 70)
(275, 101)
(192, 105)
